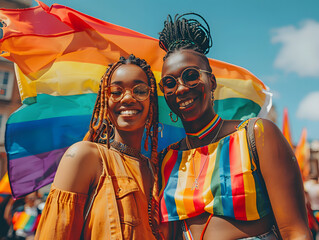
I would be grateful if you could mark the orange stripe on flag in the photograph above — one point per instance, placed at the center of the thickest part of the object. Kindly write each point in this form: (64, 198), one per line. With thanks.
(5, 185)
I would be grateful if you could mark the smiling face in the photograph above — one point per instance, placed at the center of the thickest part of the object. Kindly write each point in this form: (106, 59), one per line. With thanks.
(189, 103)
(128, 114)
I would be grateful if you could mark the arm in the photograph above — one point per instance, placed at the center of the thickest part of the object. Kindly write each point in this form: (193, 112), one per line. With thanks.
(77, 175)
(79, 169)
(281, 173)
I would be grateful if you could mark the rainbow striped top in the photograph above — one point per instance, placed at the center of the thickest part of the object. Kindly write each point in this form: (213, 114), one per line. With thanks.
(229, 184)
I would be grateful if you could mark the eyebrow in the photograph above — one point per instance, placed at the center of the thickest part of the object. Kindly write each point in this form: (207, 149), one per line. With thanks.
(137, 81)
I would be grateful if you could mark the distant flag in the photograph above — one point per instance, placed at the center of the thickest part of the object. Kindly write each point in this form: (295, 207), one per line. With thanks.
(5, 185)
(24, 221)
(302, 153)
(286, 128)
(60, 55)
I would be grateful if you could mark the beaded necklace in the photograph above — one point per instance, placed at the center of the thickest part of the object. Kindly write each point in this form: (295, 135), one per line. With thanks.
(207, 129)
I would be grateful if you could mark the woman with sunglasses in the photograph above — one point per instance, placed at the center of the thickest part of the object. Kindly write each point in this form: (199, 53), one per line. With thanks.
(104, 187)
(211, 186)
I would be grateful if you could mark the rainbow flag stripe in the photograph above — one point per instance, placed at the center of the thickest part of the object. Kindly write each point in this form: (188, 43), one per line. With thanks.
(5, 185)
(228, 184)
(24, 221)
(60, 55)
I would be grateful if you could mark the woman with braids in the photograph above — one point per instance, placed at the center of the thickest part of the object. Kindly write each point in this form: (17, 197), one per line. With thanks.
(212, 186)
(104, 187)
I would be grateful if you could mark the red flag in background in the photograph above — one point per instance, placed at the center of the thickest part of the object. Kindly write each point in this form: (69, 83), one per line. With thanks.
(302, 153)
(286, 128)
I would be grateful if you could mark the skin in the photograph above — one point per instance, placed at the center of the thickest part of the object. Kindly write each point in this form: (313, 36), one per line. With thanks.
(275, 156)
(81, 166)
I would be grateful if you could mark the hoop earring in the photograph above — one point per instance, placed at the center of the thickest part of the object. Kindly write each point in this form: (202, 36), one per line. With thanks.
(171, 116)
(107, 134)
(213, 98)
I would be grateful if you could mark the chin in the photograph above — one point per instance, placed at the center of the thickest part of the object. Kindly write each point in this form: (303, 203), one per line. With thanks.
(130, 127)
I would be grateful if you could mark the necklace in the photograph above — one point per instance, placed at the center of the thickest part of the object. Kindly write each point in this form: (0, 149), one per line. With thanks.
(196, 184)
(123, 148)
(207, 129)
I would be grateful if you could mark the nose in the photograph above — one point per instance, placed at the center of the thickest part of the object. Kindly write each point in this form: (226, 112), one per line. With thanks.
(181, 88)
(128, 97)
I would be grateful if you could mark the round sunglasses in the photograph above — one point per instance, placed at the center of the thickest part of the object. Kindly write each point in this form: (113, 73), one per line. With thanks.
(139, 92)
(190, 78)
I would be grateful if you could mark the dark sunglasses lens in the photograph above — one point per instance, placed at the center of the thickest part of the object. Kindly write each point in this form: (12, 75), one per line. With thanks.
(169, 85)
(115, 93)
(191, 77)
(169, 82)
(141, 92)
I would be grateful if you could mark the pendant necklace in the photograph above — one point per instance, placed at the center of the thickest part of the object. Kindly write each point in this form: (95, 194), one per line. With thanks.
(196, 184)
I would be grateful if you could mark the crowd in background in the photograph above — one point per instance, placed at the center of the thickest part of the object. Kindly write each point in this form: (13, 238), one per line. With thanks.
(19, 218)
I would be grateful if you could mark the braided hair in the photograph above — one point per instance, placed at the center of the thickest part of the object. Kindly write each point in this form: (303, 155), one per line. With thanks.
(100, 125)
(182, 33)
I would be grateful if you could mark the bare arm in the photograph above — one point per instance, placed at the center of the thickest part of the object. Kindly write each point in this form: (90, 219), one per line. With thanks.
(77, 174)
(283, 181)
(79, 169)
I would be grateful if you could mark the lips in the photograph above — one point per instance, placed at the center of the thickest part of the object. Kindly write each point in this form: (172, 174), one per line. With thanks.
(128, 112)
(186, 103)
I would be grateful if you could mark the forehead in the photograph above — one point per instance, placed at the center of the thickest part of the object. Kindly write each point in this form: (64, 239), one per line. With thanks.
(128, 74)
(178, 61)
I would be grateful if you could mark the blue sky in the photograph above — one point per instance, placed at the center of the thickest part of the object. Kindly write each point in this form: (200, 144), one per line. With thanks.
(278, 41)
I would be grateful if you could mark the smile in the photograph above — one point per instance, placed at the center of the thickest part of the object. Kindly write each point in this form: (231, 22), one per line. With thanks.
(186, 104)
(129, 112)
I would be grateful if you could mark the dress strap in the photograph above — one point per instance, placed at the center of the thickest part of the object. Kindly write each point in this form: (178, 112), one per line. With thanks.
(207, 222)
(186, 231)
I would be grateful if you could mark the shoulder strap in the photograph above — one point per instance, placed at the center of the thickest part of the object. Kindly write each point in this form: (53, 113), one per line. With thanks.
(253, 150)
(251, 139)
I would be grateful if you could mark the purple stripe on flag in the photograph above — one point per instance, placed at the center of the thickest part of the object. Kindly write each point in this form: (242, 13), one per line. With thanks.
(33, 172)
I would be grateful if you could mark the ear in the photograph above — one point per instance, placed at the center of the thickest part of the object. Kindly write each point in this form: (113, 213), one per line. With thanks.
(213, 81)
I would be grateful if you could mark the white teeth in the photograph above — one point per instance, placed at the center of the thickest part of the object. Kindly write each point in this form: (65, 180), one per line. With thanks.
(128, 112)
(184, 104)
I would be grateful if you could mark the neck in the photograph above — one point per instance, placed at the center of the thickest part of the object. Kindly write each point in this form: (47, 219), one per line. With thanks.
(197, 125)
(131, 139)
(206, 130)
(209, 133)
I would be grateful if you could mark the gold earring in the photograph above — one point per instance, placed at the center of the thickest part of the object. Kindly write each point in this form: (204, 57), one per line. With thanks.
(171, 116)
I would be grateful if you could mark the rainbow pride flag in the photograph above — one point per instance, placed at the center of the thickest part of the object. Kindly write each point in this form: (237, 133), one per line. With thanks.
(60, 55)
(24, 221)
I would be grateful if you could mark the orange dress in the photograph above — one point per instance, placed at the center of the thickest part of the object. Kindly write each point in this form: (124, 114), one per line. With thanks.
(118, 209)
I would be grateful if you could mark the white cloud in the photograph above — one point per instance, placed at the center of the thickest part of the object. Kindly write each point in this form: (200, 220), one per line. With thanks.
(309, 107)
(300, 48)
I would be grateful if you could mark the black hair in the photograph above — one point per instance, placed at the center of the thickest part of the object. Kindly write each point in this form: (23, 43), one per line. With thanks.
(182, 33)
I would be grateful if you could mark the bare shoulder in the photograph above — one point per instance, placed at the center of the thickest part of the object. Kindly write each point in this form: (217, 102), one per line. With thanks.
(79, 167)
(272, 147)
(267, 131)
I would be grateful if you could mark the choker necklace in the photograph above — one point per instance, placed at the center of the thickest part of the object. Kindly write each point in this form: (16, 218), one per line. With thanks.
(196, 184)
(123, 148)
(207, 129)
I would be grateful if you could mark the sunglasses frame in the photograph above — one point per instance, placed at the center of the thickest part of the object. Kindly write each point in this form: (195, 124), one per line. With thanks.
(124, 92)
(180, 80)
